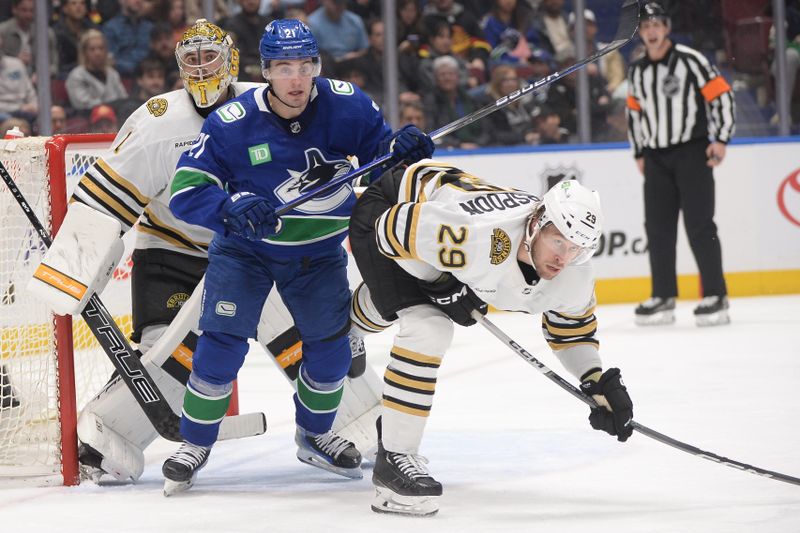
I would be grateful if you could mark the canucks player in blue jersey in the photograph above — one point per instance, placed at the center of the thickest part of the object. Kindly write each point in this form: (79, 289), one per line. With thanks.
(259, 151)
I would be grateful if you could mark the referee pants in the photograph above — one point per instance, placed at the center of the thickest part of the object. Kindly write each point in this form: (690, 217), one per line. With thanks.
(678, 179)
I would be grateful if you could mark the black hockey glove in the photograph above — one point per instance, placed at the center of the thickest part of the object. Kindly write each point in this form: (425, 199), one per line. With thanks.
(410, 144)
(616, 418)
(250, 216)
(454, 298)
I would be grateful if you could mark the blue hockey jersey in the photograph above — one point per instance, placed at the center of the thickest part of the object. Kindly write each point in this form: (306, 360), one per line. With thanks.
(245, 147)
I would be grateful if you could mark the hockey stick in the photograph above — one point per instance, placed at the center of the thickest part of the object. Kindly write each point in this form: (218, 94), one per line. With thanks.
(626, 29)
(122, 356)
(653, 434)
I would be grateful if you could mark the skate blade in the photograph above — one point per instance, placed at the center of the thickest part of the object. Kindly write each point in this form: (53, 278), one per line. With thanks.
(176, 487)
(313, 460)
(662, 318)
(719, 318)
(389, 502)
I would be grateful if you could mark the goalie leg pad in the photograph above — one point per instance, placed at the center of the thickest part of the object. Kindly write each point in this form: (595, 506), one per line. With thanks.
(115, 427)
(104, 451)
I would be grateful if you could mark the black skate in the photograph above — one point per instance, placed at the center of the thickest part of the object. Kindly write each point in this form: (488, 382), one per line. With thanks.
(358, 364)
(90, 463)
(712, 311)
(403, 485)
(655, 312)
(180, 470)
(330, 452)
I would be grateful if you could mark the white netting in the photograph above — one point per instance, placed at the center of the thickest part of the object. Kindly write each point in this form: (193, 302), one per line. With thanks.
(29, 402)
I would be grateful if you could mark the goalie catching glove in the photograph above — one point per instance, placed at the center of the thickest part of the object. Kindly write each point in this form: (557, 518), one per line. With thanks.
(615, 412)
(250, 216)
(454, 298)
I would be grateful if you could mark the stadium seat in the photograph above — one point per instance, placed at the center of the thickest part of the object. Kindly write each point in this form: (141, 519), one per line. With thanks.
(734, 11)
(58, 91)
(750, 47)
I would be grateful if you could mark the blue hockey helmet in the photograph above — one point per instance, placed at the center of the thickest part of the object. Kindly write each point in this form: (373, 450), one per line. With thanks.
(287, 39)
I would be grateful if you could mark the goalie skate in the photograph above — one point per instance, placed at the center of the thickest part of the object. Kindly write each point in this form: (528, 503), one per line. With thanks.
(404, 486)
(180, 470)
(330, 452)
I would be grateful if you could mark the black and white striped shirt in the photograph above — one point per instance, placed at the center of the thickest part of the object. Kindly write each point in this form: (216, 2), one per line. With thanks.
(680, 98)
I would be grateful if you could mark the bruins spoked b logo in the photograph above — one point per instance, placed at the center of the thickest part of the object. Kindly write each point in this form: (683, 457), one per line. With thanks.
(501, 246)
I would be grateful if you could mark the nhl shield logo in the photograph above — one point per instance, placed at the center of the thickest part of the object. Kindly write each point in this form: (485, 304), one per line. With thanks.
(550, 176)
(671, 85)
(294, 127)
(500, 246)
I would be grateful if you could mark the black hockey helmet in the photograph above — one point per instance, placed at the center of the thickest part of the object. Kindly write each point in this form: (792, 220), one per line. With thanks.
(654, 10)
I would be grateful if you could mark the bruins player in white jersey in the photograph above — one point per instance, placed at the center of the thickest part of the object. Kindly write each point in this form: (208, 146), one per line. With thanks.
(436, 244)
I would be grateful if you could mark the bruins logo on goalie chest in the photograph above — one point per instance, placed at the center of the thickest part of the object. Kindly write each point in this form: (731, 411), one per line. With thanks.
(501, 246)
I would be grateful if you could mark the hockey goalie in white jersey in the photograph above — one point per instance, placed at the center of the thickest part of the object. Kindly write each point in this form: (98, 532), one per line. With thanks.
(435, 245)
(129, 186)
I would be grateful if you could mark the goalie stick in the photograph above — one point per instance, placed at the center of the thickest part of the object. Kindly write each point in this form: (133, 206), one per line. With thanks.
(125, 361)
(626, 29)
(644, 430)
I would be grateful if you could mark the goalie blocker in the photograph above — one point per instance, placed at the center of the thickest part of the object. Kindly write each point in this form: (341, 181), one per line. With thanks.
(80, 262)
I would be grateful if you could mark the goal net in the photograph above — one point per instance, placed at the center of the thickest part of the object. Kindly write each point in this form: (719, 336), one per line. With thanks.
(49, 366)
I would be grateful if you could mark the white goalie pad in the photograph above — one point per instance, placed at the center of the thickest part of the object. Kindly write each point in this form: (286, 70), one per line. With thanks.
(80, 261)
(113, 424)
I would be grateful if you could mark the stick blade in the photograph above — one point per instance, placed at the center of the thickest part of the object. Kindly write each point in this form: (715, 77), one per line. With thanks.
(628, 21)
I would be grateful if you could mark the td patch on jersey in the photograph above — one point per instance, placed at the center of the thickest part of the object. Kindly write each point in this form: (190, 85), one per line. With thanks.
(500, 246)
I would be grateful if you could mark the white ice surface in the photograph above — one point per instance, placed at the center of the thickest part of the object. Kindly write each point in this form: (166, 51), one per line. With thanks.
(513, 450)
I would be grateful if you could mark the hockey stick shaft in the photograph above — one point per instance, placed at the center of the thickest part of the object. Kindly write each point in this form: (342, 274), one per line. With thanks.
(626, 29)
(116, 346)
(644, 430)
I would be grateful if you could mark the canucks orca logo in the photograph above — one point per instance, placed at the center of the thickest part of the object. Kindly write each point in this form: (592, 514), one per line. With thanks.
(317, 173)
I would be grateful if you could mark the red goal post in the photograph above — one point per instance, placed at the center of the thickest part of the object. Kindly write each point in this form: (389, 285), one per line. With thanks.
(50, 365)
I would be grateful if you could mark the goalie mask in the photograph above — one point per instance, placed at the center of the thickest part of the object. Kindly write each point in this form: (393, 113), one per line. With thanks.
(575, 212)
(208, 62)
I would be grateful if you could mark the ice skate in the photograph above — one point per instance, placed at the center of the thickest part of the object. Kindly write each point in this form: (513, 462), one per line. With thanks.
(90, 464)
(330, 452)
(404, 486)
(180, 470)
(712, 311)
(655, 312)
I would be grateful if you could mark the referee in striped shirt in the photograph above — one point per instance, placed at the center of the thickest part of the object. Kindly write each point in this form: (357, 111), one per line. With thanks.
(677, 100)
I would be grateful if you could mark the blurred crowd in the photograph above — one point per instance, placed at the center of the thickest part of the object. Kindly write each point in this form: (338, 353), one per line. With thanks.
(110, 56)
